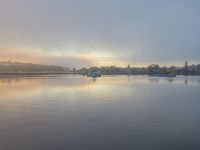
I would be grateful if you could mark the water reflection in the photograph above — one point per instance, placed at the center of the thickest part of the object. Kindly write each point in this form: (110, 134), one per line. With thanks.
(112, 112)
(186, 80)
(94, 79)
(170, 79)
(156, 80)
(17, 87)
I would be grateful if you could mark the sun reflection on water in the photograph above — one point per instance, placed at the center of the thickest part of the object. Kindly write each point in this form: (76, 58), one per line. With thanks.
(19, 87)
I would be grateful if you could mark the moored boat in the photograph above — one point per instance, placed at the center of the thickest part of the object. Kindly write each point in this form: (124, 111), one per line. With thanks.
(163, 75)
(94, 74)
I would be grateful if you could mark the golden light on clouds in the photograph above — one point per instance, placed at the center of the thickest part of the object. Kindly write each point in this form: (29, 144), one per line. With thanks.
(58, 57)
(68, 57)
(18, 54)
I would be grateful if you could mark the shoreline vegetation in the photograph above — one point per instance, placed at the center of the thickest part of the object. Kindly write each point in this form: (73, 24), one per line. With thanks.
(9, 68)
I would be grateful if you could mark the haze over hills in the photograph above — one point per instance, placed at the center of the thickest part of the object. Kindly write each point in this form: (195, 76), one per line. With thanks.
(20, 67)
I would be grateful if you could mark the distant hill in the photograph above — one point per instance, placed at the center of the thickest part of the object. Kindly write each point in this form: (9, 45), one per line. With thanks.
(19, 67)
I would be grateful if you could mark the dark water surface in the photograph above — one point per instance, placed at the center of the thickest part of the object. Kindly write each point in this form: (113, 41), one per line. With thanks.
(108, 113)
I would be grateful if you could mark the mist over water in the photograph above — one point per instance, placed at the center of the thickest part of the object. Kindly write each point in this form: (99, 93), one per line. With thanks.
(113, 112)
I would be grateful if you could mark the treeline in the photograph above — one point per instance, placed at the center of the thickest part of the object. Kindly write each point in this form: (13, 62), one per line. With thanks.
(18, 67)
(151, 69)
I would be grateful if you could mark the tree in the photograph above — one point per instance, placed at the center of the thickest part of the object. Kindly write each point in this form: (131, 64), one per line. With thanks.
(154, 69)
(186, 68)
(74, 70)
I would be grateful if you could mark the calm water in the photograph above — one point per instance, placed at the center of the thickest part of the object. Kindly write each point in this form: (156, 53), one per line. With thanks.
(108, 113)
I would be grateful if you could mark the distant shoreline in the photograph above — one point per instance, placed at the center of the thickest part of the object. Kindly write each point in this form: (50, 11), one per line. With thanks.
(71, 73)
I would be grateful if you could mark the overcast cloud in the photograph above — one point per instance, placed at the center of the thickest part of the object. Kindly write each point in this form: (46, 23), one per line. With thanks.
(99, 32)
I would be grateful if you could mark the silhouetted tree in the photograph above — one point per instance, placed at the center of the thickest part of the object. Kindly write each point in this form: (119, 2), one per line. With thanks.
(154, 69)
(186, 68)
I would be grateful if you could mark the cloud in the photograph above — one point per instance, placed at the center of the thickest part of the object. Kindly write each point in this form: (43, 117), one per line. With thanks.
(94, 32)
(36, 56)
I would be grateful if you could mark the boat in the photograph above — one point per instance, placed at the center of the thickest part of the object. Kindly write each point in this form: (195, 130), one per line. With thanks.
(167, 75)
(163, 75)
(94, 74)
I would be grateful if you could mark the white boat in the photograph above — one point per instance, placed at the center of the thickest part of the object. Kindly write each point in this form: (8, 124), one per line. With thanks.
(94, 74)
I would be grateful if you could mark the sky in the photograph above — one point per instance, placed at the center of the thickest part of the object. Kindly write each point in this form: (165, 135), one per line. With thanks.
(82, 33)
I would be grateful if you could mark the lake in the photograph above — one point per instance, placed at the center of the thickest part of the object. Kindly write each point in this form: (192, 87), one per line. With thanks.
(73, 112)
